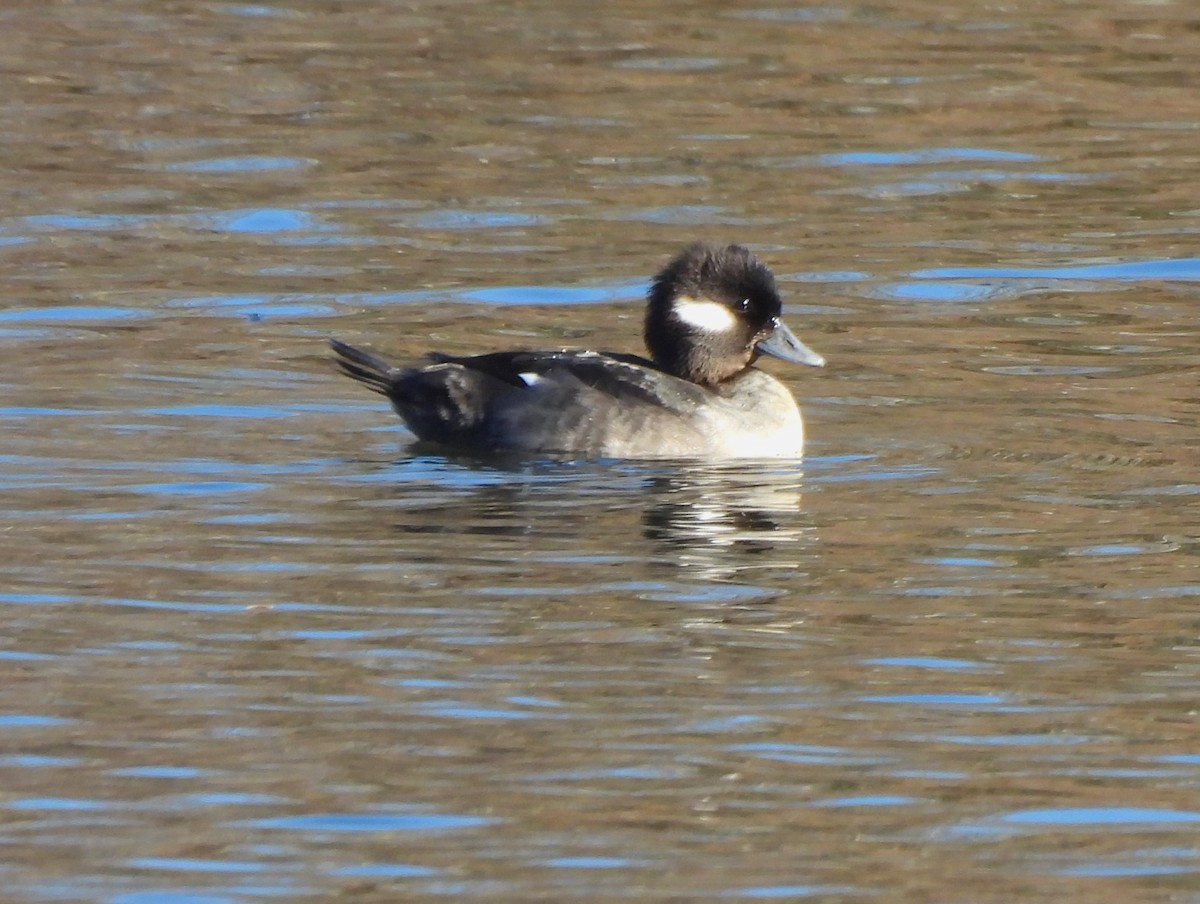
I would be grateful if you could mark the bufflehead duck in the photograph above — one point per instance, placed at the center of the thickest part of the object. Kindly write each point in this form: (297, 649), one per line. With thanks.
(712, 311)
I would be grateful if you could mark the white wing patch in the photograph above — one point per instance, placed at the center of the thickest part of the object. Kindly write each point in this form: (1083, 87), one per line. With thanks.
(530, 379)
(709, 316)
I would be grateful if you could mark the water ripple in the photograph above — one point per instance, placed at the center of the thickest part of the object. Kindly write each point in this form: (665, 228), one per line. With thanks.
(370, 822)
(1185, 269)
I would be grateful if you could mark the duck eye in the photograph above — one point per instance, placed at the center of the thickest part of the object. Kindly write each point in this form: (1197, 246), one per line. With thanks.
(744, 305)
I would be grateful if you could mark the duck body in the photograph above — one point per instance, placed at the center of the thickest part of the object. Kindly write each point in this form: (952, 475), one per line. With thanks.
(711, 312)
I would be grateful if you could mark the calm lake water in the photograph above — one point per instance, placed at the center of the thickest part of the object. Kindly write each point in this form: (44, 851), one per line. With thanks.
(257, 647)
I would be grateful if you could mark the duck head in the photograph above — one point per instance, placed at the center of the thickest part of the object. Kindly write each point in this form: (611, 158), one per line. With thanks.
(712, 311)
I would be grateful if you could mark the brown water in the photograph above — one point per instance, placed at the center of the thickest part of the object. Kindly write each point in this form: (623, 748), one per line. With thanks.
(255, 647)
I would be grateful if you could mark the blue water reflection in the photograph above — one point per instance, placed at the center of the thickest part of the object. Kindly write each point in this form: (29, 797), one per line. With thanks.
(247, 164)
(1186, 269)
(372, 822)
(1100, 816)
(915, 157)
(263, 221)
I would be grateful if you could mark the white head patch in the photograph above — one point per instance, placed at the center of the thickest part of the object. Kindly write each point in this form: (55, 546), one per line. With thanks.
(709, 316)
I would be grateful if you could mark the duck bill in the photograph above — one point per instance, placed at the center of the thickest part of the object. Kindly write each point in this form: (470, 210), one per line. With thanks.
(783, 344)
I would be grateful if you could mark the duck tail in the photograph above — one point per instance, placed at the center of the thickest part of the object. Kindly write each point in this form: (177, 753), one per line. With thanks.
(370, 370)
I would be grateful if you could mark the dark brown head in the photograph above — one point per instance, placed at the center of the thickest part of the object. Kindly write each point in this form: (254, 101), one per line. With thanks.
(712, 311)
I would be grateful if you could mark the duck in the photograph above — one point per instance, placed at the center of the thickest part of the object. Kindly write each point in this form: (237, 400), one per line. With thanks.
(711, 313)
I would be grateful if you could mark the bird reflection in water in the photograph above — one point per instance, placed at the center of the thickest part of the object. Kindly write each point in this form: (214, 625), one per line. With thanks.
(714, 519)
(713, 516)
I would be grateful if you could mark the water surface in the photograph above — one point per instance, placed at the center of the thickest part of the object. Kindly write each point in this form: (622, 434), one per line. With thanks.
(257, 646)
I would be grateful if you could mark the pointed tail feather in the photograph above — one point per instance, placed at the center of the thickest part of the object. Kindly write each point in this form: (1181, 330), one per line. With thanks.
(371, 371)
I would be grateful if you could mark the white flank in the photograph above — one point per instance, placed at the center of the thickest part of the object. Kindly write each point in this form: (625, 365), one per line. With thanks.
(529, 379)
(709, 316)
